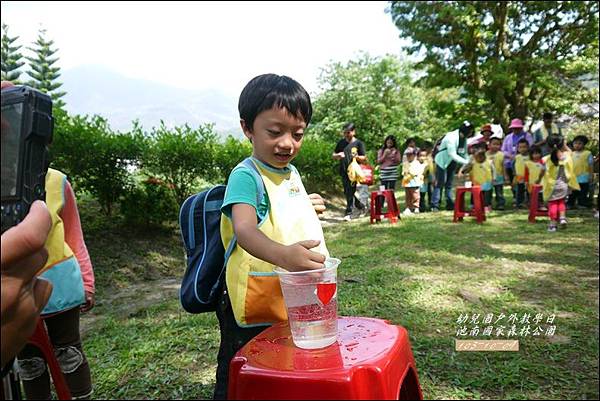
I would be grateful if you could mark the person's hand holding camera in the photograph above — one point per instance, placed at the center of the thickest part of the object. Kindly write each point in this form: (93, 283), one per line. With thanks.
(23, 294)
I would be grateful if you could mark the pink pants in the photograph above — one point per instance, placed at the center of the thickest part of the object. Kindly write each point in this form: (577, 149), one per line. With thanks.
(555, 208)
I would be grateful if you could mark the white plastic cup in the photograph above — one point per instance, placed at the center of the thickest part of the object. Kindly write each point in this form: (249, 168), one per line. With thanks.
(381, 188)
(468, 184)
(311, 301)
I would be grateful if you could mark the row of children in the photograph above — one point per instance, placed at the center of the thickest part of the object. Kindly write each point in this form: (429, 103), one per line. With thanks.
(489, 169)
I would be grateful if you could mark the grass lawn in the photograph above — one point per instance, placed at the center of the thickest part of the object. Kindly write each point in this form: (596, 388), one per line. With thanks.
(421, 273)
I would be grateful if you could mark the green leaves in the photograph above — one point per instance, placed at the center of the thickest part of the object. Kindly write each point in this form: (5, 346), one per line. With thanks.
(380, 96)
(494, 50)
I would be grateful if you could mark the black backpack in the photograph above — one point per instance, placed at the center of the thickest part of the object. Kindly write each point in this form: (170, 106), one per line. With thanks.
(200, 222)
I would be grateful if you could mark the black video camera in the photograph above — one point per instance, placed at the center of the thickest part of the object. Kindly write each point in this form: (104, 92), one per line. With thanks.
(27, 126)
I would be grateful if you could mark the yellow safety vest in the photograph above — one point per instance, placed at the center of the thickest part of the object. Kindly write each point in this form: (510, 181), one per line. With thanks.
(62, 268)
(481, 174)
(544, 130)
(520, 167)
(551, 175)
(498, 160)
(581, 166)
(535, 169)
(253, 287)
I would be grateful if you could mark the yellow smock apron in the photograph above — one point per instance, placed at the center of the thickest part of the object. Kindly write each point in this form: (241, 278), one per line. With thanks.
(253, 287)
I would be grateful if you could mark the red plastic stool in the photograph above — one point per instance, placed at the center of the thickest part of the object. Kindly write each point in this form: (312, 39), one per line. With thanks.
(392, 207)
(41, 340)
(370, 360)
(478, 209)
(534, 206)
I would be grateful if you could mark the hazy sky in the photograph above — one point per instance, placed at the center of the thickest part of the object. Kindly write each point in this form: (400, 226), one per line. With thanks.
(207, 45)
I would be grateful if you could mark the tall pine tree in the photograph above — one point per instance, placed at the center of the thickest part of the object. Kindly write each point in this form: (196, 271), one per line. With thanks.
(43, 73)
(11, 57)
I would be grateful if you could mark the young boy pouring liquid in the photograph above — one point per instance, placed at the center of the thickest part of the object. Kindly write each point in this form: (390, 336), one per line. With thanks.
(274, 112)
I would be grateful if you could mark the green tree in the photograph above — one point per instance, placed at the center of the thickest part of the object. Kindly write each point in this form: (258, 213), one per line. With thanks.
(380, 97)
(11, 57)
(42, 71)
(182, 156)
(95, 158)
(511, 58)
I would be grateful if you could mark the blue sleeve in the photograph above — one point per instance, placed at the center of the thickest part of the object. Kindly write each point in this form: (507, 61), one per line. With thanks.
(591, 159)
(241, 188)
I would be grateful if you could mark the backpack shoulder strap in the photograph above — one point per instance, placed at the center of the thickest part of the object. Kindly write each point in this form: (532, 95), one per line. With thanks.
(260, 188)
(260, 193)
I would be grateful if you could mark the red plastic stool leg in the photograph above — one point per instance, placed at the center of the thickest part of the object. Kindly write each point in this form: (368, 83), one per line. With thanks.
(41, 340)
(478, 211)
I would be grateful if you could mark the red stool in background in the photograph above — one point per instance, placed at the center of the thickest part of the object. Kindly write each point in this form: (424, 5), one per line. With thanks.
(534, 205)
(371, 360)
(459, 205)
(392, 207)
(41, 340)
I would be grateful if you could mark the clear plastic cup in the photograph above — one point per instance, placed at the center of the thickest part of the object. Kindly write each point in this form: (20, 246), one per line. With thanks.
(311, 301)
(468, 184)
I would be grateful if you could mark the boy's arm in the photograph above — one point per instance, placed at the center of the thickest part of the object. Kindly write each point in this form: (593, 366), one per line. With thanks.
(295, 257)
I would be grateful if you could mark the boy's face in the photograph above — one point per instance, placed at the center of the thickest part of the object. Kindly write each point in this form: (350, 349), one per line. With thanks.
(276, 136)
(536, 156)
(410, 157)
(480, 157)
(523, 148)
(422, 157)
(495, 145)
(578, 146)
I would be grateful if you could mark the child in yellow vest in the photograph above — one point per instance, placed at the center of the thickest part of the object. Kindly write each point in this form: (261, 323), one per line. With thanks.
(274, 112)
(496, 156)
(518, 183)
(70, 271)
(481, 172)
(533, 172)
(558, 180)
(412, 180)
(583, 168)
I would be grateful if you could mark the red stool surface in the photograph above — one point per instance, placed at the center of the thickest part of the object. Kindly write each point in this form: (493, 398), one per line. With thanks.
(370, 360)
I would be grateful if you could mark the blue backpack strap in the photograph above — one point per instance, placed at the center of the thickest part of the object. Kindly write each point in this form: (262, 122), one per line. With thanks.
(260, 188)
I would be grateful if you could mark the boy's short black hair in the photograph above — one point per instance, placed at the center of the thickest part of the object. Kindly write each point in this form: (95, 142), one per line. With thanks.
(534, 149)
(581, 138)
(480, 151)
(495, 138)
(348, 127)
(269, 91)
(523, 140)
(547, 116)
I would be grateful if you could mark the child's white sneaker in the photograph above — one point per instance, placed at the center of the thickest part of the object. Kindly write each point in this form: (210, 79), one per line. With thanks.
(552, 228)
(347, 217)
(562, 222)
(416, 211)
(596, 214)
(407, 212)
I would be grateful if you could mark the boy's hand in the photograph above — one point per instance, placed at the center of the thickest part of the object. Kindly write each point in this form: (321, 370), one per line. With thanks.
(317, 202)
(299, 257)
(90, 301)
(460, 174)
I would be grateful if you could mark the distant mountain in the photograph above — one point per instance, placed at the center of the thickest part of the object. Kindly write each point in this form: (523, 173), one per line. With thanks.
(94, 89)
